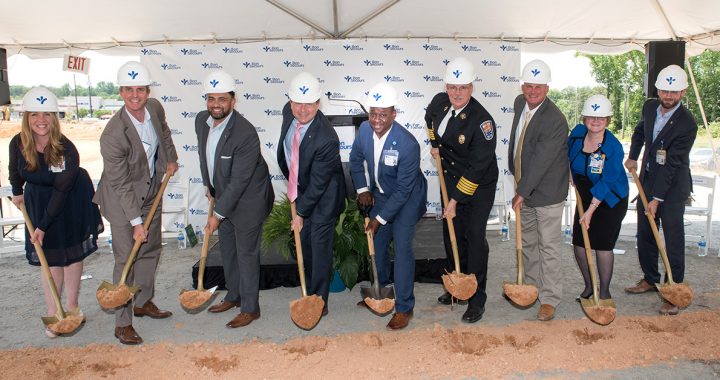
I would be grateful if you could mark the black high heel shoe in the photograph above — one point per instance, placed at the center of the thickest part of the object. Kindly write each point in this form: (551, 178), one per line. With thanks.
(583, 296)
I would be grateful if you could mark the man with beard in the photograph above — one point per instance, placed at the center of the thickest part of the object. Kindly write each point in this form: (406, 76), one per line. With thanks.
(668, 130)
(236, 175)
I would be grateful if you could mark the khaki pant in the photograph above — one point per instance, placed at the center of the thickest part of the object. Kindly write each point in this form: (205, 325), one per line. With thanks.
(542, 250)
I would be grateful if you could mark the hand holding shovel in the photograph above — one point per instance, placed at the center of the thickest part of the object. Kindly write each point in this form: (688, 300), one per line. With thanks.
(193, 300)
(306, 311)
(62, 322)
(111, 296)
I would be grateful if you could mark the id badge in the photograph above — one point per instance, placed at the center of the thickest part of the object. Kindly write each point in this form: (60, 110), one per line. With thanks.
(390, 157)
(60, 168)
(597, 162)
(661, 156)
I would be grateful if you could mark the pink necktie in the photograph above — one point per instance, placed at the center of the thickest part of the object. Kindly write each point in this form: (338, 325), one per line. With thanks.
(294, 158)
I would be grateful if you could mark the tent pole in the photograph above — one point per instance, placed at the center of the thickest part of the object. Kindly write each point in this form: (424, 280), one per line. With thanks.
(702, 113)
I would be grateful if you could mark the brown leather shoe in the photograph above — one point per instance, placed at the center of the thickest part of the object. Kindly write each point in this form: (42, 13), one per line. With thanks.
(362, 303)
(223, 306)
(127, 335)
(546, 312)
(243, 319)
(325, 311)
(642, 286)
(399, 320)
(151, 311)
(669, 309)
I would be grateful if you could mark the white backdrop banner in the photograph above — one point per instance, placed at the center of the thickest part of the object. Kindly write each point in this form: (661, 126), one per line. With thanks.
(347, 69)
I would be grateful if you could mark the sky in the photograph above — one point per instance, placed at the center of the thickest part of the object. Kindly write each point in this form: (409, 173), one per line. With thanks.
(567, 70)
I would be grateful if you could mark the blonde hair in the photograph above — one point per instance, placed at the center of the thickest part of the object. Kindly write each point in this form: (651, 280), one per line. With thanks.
(54, 149)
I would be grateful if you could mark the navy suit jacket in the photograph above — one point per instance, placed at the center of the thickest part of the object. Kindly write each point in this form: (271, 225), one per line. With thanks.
(403, 183)
(671, 182)
(321, 183)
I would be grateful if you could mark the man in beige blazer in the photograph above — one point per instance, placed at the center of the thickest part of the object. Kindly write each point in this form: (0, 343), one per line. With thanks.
(137, 150)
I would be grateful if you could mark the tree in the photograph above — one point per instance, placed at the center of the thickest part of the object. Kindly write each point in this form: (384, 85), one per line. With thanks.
(571, 99)
(707, 75)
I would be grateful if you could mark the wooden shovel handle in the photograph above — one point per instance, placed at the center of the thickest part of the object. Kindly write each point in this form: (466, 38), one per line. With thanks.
(204, 250)
(138, 242)
(588, 249)
(653, 226)
(451, 226)
(43, 264)
(298, 251)
(519, 247)
(371, 242)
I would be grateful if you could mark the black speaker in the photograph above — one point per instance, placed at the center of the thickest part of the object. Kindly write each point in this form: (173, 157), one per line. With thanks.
(658, 55)
(4, 84)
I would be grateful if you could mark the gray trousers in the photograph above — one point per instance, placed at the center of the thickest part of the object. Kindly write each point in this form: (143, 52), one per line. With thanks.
(542, 250)
(240, 249)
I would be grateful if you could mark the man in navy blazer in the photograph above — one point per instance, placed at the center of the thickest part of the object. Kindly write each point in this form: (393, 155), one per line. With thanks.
(236, 175)
(397, 191)
(320, 180)
(668, 131)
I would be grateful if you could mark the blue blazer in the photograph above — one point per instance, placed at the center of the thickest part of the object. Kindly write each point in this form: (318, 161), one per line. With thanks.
(404, 184)
(611, 185)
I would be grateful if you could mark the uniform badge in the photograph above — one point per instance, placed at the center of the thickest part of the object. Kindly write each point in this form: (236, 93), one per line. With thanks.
(446, 108)
(461, 139)
(463, 116)
(487, 129)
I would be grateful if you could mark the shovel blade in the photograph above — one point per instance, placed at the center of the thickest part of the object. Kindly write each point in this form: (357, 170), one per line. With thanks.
(192, 300)
(385, 292)
(307, 311)
(47, 321)
(678, 294)
(521, 295)
(602, 313)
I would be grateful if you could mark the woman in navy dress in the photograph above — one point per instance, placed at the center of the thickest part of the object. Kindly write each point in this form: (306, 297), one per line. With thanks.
(596, 164)
(45, 175)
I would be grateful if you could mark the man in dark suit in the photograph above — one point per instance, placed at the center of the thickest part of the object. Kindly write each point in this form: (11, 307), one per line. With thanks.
(236, 175)
(462, 135)
(395, 189)
(538, 160)
(137, 150)
(668, 131)
(320, 192)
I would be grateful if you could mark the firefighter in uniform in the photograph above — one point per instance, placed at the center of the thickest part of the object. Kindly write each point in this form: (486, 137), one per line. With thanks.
(462, 135)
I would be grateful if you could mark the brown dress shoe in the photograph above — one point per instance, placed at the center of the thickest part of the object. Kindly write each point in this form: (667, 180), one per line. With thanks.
(325, 311)
(151, 311)
(669, 309)
(642, 286)
(399, 320)
(127, 335)
(546, 312)
(243, 319)
(223, 306)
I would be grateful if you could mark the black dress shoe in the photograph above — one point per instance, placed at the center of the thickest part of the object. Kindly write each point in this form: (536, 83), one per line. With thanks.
(473, 315)
(447, 299)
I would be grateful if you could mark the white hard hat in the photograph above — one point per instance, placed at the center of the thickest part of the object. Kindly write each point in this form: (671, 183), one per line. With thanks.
(597, 105)
(133, 74)
(382, 95)
(459, 71)
(304, 88)
(218, 81)
(672, 78)
(40, 99)
(536, 72)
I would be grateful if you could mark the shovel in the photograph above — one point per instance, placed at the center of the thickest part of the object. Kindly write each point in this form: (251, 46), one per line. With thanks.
(520, 294)
(680, 295)
(461, 286)
(62, 322)
(194, 299)
(111, 296)
(379, 300)
(307, 311)
(599, 311)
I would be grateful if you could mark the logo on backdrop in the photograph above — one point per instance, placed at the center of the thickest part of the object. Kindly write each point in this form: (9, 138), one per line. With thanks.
(432, 205)
(273, 80)
(252, 65)
(413, 94)
(155, 84)
(466, 47)
(393, 78)
(312, 48)
(345, 146)
(170, 66)
(272, 49)
(431, 47)
(355, 111)
(353, 47)
(490, 62)
(186, 51)
(412, 62)
(260, 130)
(427, 141)
(190, 82)
(504, 140)
(413, 126)
(211, 65)
(196, 211)
(188, 115)
(250, 96)
(432, 78)
(430, 173)
(508, 48)
(507, 109)
(232, 50)
(393, 47)
(293, 64)
(491, 94)
(176, 195)
(372, 62)
(353, 79)
(190, 148)
(333, 63)
(271, 112)
(509, 79)
(269, 145)
(175, 131)
(337, 95)
(149, 52)
(277, 177)
(196, 180)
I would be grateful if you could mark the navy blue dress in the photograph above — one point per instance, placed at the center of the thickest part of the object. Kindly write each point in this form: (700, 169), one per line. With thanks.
(59, 202)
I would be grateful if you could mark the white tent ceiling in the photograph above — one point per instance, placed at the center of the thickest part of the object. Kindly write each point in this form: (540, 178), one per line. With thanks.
(47, 28)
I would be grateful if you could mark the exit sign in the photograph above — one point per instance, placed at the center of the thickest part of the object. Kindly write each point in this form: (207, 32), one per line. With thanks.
(76, 64)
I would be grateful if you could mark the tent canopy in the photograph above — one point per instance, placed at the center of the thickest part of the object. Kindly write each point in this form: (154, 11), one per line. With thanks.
(41, 28)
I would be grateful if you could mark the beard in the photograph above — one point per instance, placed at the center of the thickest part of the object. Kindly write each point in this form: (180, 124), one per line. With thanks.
(669, 104)
(221, 116)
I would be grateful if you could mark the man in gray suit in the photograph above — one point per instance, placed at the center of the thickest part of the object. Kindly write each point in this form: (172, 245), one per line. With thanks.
(236, 175)
(137, 151)
(538, 160)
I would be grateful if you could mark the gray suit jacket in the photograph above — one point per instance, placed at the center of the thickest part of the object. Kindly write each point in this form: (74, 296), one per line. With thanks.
(241, 178)
(545, 170)
(125, 183)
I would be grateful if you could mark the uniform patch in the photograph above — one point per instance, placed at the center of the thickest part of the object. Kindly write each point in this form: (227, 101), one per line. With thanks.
(487, 129)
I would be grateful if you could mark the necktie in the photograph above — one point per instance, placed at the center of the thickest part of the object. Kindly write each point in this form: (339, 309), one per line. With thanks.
(519, 144)
(294, 158)
(443, 128)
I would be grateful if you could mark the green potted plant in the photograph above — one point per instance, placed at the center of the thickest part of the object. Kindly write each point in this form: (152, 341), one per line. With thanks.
(350, 249)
